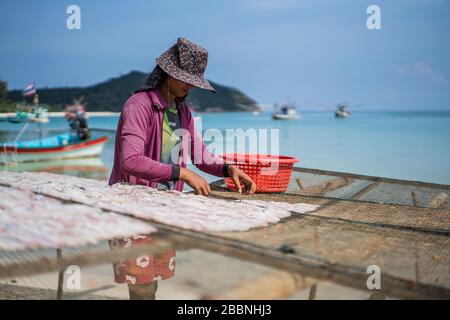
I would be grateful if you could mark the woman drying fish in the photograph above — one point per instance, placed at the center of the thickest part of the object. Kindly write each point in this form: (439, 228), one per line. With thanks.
(155, 135)
(154, 140)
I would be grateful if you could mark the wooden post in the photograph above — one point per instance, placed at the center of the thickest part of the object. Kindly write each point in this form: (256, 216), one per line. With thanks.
(299, 182)
(365, 190)
(312, 292)
(414, 195)
(59, 292)
(88, 258)
(324, 187)
(415, 198)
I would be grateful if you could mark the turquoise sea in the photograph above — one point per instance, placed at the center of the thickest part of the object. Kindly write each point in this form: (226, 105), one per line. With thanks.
(404, 145)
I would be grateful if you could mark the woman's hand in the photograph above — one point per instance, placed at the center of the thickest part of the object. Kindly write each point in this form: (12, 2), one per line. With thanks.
(196, 182)
(238, 176)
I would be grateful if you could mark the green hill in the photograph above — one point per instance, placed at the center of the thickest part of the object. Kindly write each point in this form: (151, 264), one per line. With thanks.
(111, 95)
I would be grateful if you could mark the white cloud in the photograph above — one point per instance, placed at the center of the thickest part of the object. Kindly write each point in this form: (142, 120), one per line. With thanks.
(423, 70)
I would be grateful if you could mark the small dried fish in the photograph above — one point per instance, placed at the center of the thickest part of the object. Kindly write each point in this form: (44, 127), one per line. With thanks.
(31, 221)
(174, 208)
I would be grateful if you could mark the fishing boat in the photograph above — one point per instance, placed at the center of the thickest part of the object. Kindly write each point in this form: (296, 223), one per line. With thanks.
(55, 147)
(287, 112)
(35, 114)
(19, 117)
(30, 113)
(40, 114)
(342, 112)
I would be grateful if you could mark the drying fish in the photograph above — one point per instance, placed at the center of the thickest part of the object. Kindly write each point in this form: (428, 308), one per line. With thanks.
(174, 208)
(29, 221)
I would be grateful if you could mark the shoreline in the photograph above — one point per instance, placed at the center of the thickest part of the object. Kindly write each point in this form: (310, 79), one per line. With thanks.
(61, 114)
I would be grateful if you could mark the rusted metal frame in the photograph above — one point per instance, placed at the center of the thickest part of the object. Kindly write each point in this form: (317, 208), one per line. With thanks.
(372, 178)
(352, 200)
(182, 239)
(331, 201)
(308, 266)
(45, 264)
(216, 185)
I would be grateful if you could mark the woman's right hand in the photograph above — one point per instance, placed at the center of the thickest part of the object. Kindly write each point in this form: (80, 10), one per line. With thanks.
(195, 181)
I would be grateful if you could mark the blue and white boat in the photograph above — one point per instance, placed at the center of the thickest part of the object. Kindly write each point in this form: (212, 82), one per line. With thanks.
(55, 147)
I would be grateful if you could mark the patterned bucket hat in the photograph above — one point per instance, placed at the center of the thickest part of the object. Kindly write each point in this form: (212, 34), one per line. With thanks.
(184, 61)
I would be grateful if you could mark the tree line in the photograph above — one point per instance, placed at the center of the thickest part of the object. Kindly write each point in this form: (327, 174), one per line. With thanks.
(110, 95)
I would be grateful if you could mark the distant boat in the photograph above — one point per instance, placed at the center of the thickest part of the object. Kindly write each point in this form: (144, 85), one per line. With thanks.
(55, 147)
(35, 114)
(19, 117)
(39, 114)
(287, 112)
(30, 113)
(342, 112)
(255, 113)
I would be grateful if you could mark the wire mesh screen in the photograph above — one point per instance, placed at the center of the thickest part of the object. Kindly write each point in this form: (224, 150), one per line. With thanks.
(314, 182)
(346, 186)
(401, 226)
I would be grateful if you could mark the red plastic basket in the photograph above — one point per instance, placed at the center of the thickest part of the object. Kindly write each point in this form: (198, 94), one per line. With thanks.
(271, 173)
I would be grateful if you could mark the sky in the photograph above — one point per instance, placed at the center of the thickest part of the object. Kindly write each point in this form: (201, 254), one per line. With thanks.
(314, 52)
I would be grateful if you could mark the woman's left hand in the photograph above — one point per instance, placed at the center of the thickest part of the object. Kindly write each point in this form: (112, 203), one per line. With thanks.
(238, 176)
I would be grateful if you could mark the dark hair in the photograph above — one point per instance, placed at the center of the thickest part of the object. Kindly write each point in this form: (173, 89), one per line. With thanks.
(154, 80)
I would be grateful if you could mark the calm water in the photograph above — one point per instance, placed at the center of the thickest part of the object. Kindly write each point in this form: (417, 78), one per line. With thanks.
(405, 145)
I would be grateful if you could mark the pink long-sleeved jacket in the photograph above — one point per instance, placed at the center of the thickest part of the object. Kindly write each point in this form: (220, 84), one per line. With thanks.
(139, 138)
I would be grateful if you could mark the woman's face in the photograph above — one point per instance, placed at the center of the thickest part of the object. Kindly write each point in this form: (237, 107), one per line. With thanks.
(178, 88)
